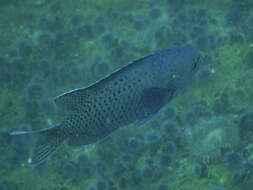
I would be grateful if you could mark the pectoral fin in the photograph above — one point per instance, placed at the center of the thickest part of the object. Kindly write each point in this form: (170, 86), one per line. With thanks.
(152, 100)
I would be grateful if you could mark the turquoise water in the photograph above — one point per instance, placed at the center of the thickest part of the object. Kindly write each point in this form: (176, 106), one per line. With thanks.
(202, 140)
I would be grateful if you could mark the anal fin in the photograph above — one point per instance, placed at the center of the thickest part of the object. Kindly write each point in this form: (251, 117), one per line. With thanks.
(49, 141)
(44, 148)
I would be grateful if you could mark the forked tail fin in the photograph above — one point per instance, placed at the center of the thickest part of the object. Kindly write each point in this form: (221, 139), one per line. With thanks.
(49, 141)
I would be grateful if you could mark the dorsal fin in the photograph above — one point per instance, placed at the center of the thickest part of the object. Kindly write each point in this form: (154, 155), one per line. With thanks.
(74, 100)
(118, 72)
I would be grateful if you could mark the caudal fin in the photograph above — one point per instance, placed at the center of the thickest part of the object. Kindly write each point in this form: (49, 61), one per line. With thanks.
(49, 141)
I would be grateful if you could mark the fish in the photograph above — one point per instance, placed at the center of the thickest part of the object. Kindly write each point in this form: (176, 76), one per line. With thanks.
(134, 93)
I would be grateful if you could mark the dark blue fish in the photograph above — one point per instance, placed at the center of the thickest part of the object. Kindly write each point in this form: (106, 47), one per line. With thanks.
(133, 93)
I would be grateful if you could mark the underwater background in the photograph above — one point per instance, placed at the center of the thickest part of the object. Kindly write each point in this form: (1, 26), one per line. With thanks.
(202, 140)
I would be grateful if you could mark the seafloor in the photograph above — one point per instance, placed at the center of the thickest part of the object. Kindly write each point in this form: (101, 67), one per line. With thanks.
(203, 140)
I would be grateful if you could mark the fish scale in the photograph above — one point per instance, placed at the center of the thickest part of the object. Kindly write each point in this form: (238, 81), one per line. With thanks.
(119, 107)
(133, 93)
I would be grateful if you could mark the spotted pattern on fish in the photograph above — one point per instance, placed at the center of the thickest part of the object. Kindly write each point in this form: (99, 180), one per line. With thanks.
(133, 93)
